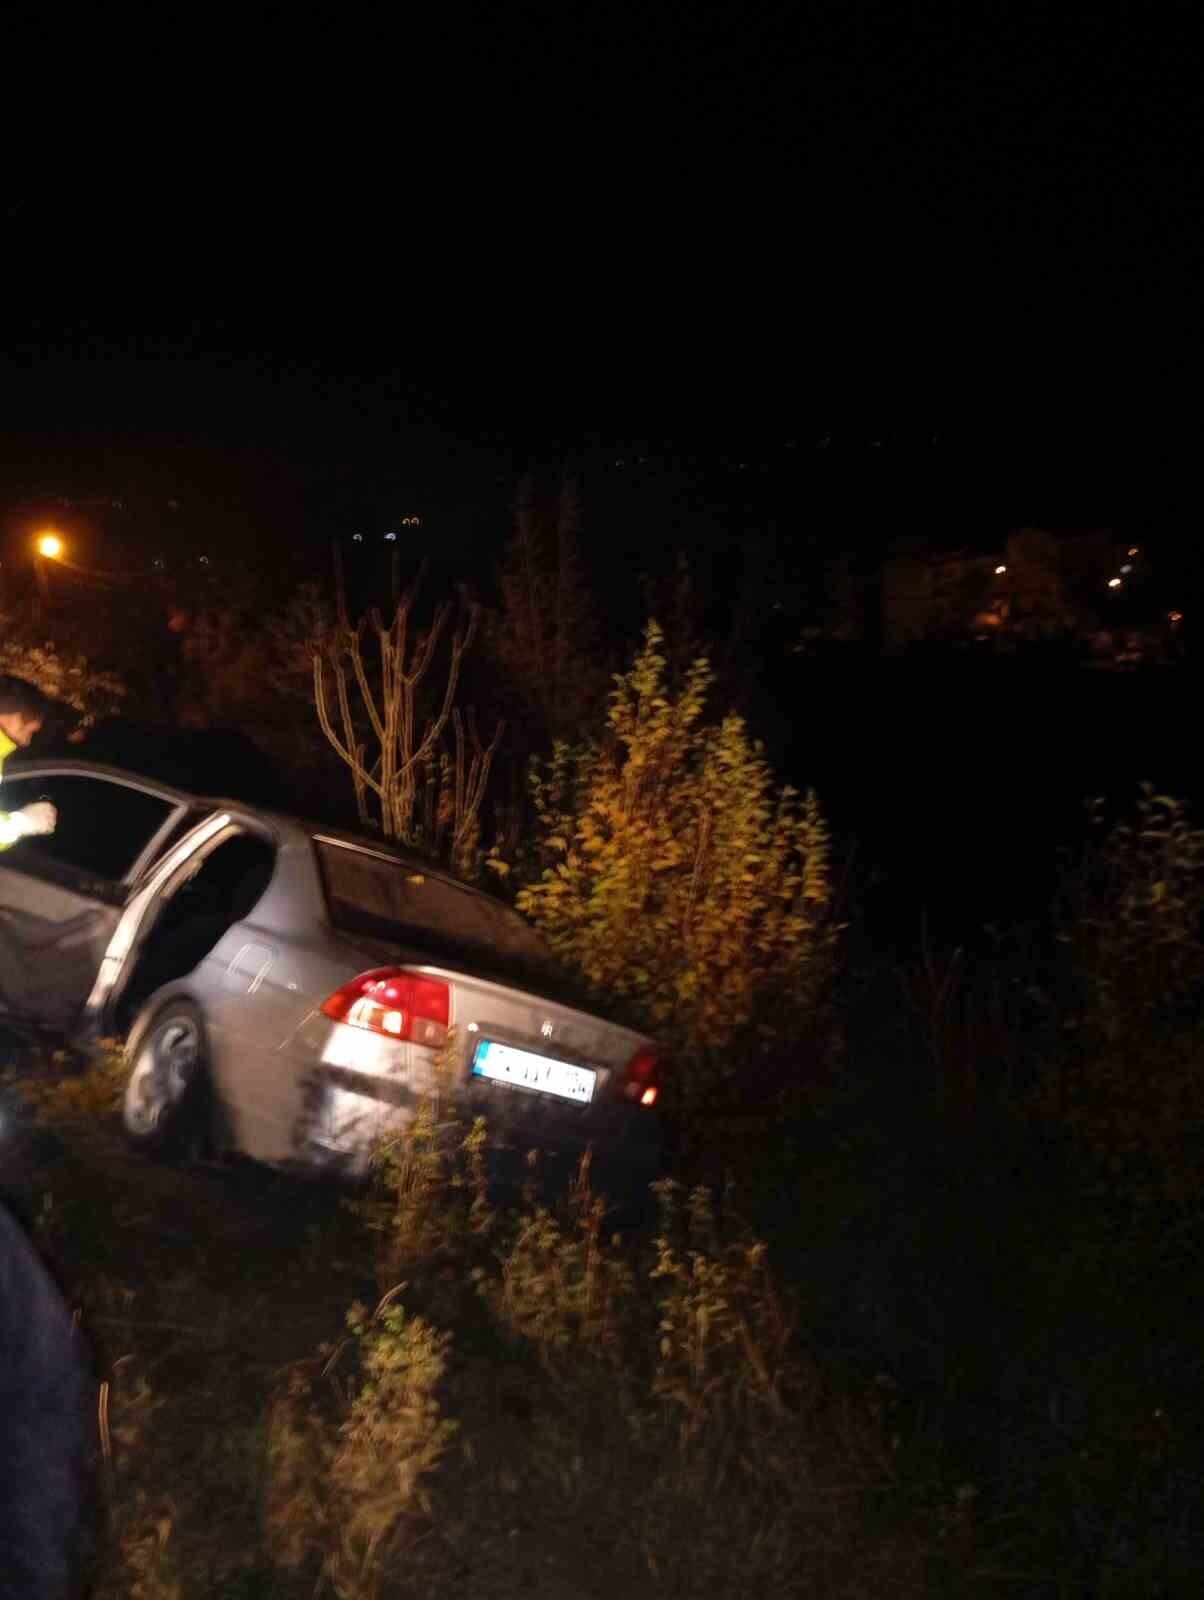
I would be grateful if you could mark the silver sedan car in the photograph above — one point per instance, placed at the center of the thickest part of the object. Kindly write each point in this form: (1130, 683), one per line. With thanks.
(288, 988)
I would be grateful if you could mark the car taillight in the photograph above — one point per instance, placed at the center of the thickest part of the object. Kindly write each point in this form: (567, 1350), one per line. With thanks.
(401, 1005)
(641, 1081)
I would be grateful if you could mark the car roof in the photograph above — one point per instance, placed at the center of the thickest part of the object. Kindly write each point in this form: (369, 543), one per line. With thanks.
(32, 767)
(285, 821)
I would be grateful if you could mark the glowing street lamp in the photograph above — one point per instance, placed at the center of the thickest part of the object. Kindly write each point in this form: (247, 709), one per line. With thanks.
(47, 547)
(50, 546)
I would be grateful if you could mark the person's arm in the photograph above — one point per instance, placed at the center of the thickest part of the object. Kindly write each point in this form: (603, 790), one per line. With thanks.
(46, 1397)
(38, 818)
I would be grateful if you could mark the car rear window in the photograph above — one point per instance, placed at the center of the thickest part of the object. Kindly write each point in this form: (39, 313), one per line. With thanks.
(389, 899)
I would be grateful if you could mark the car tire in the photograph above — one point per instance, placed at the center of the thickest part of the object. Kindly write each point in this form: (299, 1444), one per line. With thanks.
(165, 1109)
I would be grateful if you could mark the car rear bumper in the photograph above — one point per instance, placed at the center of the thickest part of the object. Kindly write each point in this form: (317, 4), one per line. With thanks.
(353, 1113)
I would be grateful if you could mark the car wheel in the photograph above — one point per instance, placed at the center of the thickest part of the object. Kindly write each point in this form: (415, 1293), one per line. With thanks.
(165, 1110)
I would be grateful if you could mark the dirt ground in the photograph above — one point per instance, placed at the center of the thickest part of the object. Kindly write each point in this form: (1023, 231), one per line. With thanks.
(200, 1285)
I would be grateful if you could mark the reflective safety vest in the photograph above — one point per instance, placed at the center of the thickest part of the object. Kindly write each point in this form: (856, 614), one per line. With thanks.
(8, 834)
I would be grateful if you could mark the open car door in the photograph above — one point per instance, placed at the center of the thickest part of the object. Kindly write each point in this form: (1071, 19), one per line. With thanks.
(63, 895)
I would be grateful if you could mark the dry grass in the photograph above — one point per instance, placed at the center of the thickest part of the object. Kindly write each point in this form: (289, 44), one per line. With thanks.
(347, 1479)
(76, 1094)
(540, 1408)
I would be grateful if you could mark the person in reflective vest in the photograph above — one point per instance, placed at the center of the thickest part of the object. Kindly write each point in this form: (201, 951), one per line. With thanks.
(22, 712)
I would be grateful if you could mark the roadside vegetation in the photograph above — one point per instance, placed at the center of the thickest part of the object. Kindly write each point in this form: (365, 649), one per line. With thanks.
(916, 1310)
(930, 1335)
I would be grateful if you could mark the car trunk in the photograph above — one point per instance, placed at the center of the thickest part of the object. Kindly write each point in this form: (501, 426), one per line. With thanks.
(486, 1007)
(532, 1056)
(483, 1010)
(374, 1085)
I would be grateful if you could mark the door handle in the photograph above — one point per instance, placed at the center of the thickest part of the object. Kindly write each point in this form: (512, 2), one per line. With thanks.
(249, 968)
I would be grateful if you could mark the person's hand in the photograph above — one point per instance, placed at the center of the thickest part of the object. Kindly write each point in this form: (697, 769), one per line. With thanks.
(40, 817)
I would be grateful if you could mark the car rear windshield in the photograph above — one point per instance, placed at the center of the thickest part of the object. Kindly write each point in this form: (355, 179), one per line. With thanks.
(387, 899)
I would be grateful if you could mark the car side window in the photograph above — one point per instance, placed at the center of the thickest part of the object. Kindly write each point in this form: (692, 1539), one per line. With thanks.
(102, 826)
(231, 879)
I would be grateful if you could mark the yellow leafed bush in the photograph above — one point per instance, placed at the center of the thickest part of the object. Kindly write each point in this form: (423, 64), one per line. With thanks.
(672, 870)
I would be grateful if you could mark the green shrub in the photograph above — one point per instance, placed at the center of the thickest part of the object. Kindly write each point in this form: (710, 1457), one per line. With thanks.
(1129, 914)
(673, 873)
(1124, 1084)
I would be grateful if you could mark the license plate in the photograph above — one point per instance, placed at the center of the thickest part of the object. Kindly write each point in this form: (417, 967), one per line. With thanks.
(523, 1069)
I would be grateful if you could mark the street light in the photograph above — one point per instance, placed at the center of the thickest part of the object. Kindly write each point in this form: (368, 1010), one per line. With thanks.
(47, 547)
(50, 546)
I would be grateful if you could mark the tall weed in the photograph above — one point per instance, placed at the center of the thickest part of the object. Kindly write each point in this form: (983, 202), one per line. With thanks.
(346, 1489)
(135, 1557)
(428, 1198)
(560, 1284)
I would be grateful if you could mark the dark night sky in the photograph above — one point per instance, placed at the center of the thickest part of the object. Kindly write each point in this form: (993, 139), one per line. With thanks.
(702, 236)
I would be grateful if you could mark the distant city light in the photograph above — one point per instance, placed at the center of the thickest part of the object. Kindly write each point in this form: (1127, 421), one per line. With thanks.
(357, 538)
(391, 536)
(1174, 616)
(1133, 550)
(50, 546)
(1127, 567)
(1115, 583)
(999, 571)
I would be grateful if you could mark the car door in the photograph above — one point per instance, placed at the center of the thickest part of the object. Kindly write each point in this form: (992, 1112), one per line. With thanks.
(62, 895)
